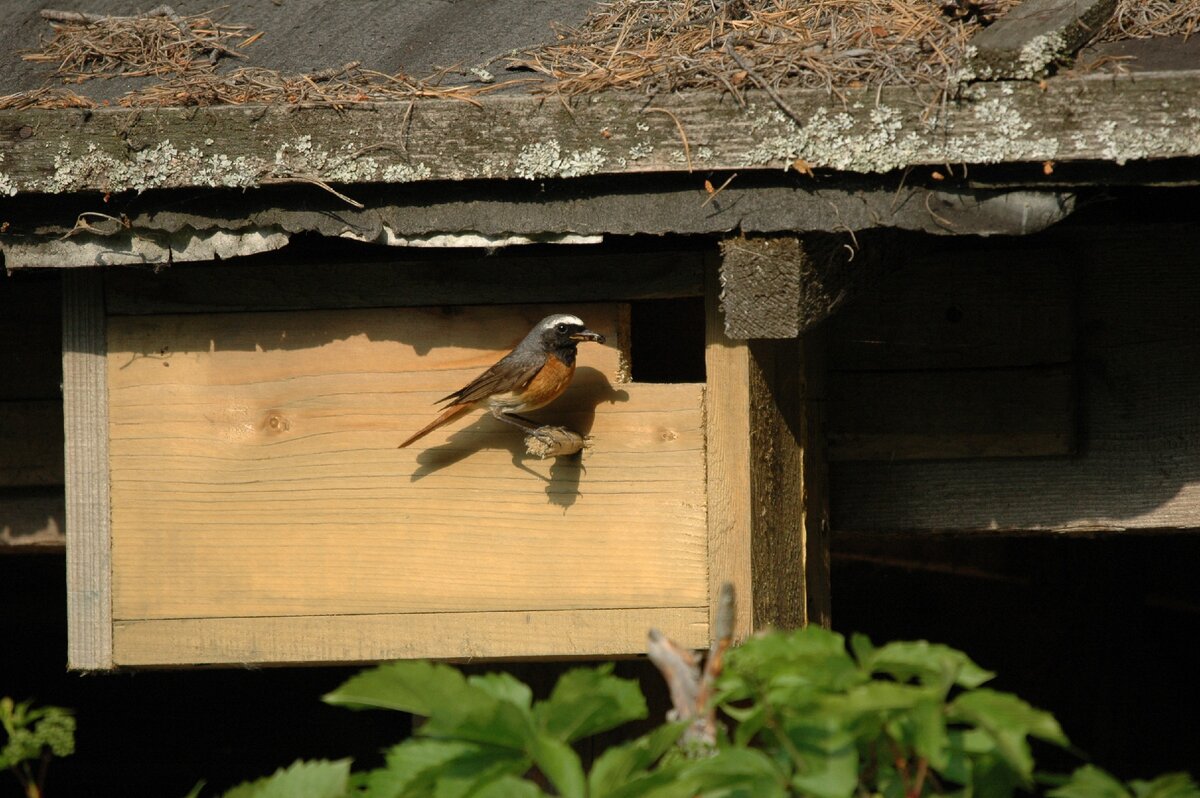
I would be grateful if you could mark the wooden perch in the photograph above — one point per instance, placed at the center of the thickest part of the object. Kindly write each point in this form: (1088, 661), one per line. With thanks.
(691, 688)
(550, 441)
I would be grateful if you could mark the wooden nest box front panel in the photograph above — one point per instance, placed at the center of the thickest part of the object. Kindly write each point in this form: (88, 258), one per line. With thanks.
(259, 509)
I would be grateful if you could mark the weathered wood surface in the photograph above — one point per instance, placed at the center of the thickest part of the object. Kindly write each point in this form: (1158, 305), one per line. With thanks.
(32, 519)
(1103, 117)
(570, 277)
(1031, 38)
(1138, 465)
(727, 449)
(31, 442)
(255, 474)
(222, 223)
(438, 635)
(782, 286)
(930, 415)
(85, 428)
(763, 486)
(961, 353)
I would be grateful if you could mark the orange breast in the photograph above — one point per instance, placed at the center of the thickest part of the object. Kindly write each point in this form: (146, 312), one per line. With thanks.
(547, 386)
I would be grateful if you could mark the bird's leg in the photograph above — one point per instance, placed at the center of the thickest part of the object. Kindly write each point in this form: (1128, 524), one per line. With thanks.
(527, 425)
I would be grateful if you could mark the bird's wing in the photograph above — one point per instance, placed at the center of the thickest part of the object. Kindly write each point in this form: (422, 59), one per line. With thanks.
(508, 374)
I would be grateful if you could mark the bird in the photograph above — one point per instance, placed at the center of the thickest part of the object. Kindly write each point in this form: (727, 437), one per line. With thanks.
(532, 375)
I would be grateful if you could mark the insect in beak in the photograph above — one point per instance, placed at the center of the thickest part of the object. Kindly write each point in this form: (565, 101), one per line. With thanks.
(587, 335)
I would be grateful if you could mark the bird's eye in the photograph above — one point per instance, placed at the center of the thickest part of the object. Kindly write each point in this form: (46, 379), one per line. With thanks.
(562, 328)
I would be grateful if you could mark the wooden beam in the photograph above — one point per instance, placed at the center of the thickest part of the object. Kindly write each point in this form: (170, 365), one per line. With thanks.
(85, 411)
(766, 501)
(782, 286)
(1031, 38)
(1095, 117)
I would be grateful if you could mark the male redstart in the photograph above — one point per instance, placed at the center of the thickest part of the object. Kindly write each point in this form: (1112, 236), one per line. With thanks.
(533, 375)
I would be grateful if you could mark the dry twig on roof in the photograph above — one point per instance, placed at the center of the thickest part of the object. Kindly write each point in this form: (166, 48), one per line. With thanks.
(659, 46)
(332, 88)
(45, 97)
(159, 42)
(1144, 19)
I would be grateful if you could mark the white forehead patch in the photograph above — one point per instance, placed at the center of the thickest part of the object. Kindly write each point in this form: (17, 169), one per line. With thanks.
(561, 318)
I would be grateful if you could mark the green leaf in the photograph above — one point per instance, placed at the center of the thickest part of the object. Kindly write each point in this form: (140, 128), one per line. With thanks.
(414, 686)
(510, 787)
(316, 779)
(492, 710)
(417, 765)
(1171, 785)
(828, 757)
(811, 657)
(1090, 782)
(619, 765)
(1008, 720)
(559, 764)
(504, 687)
(30, 730)
(929, 663)
(587, 701)
(733, 773)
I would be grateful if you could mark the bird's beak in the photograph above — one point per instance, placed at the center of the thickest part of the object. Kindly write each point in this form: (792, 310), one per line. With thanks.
(587, 335)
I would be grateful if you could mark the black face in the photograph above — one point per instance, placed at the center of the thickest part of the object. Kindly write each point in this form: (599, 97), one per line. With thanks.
(567, 334)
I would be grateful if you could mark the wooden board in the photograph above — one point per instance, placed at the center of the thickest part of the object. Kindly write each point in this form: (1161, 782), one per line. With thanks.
(1138, 463)
(437, 635)
(255, 474)
(85, 430)
(1099, 117)
(961, 353)
(932, 415)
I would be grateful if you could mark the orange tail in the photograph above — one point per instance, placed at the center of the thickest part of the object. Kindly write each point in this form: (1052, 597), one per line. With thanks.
(450, 413)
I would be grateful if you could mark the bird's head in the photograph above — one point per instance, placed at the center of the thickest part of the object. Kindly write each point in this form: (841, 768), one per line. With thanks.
(564, 331)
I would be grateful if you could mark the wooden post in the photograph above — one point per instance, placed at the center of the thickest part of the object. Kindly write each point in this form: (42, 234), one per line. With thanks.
(85, 417)
(768, 517)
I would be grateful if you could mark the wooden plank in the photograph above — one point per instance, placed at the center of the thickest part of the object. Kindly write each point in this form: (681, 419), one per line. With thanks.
(727, 444)
(962, 308)
(1036, 35)
(814, 393)
(1138, 466)
(589, 277)
(31, 443)
(255, 472)
(440, 635)
(764, 513)
(32, 519)
(85, 425)
(931, 415)
(1097, 117)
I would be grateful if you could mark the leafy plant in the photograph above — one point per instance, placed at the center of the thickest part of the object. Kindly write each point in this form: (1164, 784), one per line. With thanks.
(33, 736)
(806, 717)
